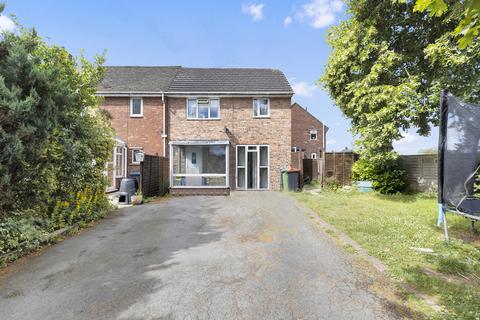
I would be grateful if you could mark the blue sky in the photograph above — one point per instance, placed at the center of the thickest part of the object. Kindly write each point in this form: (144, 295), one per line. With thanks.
(288, 35)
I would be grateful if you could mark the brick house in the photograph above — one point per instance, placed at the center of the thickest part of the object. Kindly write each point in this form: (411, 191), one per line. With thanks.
(308, 133)
(221, 128)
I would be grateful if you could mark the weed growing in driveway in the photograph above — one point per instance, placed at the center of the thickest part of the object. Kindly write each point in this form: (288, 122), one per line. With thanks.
(400, 231)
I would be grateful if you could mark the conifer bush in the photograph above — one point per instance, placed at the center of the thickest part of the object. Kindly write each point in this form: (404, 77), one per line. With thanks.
(54, 138)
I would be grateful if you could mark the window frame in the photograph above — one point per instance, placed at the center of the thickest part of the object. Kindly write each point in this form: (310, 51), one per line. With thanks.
(256, 149)
(253, 107)
(194, 143)
(133, 149)
(134, 115)
(209, 108)
(313, 131)
(313, 155)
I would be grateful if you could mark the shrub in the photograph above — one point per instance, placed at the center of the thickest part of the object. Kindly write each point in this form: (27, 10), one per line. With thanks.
(332, 184)
(54, 138)
(387, 178)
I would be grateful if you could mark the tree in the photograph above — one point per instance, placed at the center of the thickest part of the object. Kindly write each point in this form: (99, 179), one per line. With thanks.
(55, 140)
(387, 67)
(469, 26)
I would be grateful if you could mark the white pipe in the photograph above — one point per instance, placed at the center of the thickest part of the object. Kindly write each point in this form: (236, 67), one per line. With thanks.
(164, 133)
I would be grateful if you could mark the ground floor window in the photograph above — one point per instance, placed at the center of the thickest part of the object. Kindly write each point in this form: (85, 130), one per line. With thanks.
(199, 165)
(253, 165)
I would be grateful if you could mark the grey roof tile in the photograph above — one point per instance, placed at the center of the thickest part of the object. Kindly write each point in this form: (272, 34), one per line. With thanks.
(137, 79)
(194, 80)
(235, 80)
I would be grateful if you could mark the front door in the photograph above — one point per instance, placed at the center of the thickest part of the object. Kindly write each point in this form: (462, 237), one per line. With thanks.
(252, 167)
(194, 158)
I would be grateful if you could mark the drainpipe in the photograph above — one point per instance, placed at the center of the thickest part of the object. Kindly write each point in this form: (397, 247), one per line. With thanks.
(164, 132)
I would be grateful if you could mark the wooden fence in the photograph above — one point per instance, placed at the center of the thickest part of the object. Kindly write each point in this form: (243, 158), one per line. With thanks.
(154, 176)
(421, 170)
(311, 169)
(338, 167)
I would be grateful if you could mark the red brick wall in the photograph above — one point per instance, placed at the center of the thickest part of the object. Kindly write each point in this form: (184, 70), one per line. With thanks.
(237, 115)
(144, 132)
(302, 122)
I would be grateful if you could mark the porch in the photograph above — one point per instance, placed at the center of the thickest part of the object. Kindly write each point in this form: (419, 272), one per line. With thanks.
(207, 167)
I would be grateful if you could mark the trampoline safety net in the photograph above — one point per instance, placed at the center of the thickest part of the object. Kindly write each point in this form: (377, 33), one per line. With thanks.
(459, 156)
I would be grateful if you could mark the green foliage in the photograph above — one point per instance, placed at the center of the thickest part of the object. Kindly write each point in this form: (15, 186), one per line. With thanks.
(55, 141)
(386, 71)
(388, 178)
(332, 184)
(468, 28)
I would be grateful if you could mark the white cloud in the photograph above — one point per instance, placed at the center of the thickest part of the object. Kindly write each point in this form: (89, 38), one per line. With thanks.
(407, 140)
(288, 20)
(6, 24)
(331, 141)
(303, 88)
(320, 13)
(255, 10)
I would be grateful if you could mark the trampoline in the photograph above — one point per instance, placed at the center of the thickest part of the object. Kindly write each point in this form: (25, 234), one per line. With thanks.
(458, 160)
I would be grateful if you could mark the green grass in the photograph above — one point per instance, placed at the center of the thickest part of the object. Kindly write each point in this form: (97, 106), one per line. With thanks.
(390, 227)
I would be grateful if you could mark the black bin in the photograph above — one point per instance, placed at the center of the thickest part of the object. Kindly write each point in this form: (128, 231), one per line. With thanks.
(293, 180)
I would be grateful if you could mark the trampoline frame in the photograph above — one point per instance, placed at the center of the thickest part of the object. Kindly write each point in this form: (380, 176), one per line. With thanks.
(442, 207)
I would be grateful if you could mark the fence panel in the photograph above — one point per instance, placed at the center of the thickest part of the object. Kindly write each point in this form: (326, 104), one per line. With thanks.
(338, 166)
(421, 171)
(154, 176)
(311, 169)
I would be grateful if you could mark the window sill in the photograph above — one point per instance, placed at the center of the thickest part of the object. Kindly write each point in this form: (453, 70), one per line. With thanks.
(133, 116)
(261, 117)
(200, 187)
(204, 119)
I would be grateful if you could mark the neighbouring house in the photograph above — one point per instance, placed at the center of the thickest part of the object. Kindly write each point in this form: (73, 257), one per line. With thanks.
(308, 133)
(221, 128)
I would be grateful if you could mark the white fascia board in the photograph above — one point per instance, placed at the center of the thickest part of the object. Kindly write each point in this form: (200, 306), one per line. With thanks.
(228, 94)
(199, 142)
(129, 93)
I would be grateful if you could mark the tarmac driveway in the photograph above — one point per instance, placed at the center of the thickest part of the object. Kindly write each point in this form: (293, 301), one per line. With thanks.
(253, 255)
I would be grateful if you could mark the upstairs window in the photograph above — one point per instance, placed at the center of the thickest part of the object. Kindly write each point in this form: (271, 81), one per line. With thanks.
(313, 134)
(203, 108)
(261, 107)
(136, 107)
(314, 155)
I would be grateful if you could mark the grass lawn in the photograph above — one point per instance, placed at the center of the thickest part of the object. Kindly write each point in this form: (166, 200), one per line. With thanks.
(391, 227)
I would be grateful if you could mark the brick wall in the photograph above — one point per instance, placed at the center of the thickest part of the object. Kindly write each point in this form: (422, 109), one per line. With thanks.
(302, 123)
(236, 114)
(144, 132)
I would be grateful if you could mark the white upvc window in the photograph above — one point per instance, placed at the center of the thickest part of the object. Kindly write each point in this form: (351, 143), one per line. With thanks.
(199, 164)
(136, 107)
(314, 156)
(313, 134)
(203, 108)
(261, 107)
(135, 151)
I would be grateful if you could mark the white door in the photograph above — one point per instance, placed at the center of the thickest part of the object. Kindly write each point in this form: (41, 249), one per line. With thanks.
(252, 167)
(194, 157)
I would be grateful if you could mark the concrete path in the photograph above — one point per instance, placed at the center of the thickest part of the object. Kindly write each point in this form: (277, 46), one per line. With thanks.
(253, 255)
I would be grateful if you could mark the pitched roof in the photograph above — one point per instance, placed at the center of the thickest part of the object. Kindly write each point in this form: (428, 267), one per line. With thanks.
(137, 79)
(194, 80)
(230, 80)
(295, 104)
